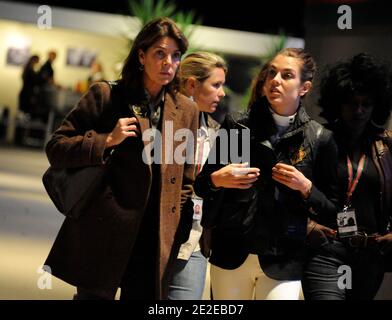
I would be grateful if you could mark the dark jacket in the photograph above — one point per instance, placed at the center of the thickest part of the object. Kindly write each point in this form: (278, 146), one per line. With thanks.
(93, 251)
(46, 73)
(379, 142)
(273, 223)
(382, 158)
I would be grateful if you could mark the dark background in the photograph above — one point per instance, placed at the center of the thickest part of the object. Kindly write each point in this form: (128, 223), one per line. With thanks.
(313, 20)
(247, 15)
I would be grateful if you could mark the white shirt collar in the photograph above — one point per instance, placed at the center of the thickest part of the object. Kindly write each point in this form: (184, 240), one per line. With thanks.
(282, 121)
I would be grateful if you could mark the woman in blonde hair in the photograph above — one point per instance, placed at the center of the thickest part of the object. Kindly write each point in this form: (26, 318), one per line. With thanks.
(202, 76)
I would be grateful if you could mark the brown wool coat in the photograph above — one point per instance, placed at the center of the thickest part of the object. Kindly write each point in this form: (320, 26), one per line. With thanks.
(93, 251)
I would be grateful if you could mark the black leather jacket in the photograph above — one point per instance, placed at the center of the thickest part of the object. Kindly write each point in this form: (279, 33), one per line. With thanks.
(270, 217)
(382, 157)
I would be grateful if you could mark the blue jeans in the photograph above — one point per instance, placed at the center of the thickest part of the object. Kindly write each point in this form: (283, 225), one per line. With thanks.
(321, 276)
(187, 282)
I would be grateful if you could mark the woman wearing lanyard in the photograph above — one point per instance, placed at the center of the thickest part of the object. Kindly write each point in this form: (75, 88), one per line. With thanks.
(202, 76)
(355, 98)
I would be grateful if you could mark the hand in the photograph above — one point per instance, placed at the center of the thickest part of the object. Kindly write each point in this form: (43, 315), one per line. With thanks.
(313, 226)
(125, 127)
(317, 234)
(237, 176)
(292, 178)
(386, 242)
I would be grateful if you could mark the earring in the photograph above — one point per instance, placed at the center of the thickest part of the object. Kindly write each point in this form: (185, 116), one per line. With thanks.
(141, 67)
(191, 98)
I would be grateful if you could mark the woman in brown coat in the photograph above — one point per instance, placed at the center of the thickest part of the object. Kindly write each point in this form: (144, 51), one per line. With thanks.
(127, 235)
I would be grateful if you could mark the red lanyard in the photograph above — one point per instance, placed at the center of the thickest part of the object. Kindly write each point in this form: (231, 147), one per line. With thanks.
(352, 184)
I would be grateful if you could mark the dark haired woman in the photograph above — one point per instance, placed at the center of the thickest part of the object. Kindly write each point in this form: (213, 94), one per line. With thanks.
(28, 96)
(356, 101)
(126, 236)
(260, 255)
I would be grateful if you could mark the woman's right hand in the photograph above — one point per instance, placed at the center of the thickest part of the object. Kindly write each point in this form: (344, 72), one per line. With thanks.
(125, 127)
(315, 227)
(237, 176)
(318, 234)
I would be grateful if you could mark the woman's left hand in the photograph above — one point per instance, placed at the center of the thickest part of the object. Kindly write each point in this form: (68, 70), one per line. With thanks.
(386, 241)
(292, 178)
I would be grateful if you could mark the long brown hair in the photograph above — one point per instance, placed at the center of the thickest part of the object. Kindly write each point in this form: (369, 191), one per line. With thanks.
(308, 69)
(131, 74)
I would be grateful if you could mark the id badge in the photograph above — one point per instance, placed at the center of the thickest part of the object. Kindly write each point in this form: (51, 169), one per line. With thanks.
(347, 223)
(197, 208)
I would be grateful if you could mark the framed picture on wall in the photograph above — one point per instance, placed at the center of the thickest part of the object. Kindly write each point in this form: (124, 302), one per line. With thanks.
(80, 57)
(17, 56)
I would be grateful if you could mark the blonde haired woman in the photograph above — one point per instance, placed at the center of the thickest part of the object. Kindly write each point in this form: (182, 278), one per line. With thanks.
(202, 76)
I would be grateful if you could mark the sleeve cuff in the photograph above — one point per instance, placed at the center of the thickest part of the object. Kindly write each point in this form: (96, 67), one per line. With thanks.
(95, 145)
(311, 201)
(211, 185)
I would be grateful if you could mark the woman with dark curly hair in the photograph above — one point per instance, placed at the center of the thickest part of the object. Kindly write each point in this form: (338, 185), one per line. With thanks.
(356, 101)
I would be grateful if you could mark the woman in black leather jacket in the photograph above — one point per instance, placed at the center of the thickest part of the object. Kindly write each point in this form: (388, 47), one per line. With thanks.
(258, 215)
(356, 101)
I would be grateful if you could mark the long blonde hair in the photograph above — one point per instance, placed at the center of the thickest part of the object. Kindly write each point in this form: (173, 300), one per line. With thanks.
(199, 65)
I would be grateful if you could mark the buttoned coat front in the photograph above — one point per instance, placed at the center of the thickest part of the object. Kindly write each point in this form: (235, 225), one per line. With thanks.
(93, 250)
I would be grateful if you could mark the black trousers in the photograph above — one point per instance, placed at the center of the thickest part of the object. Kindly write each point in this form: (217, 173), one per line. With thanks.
(336, 271)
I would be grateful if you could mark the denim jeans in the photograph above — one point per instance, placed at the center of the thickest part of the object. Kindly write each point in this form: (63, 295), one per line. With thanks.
(321, 273)
(187, 282)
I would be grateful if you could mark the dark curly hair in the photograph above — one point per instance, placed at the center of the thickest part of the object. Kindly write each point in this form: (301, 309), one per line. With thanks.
(362, 74)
